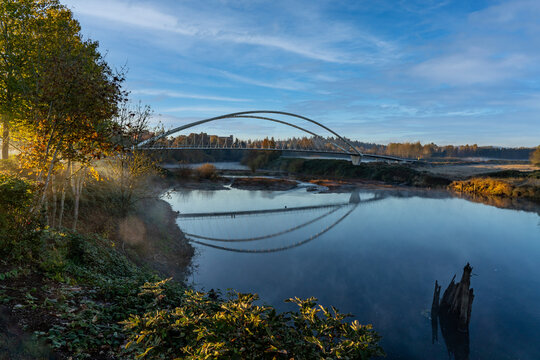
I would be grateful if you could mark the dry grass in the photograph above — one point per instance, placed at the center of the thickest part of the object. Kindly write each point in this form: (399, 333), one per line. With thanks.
(462, 171)
(207, 171)
(512, 187)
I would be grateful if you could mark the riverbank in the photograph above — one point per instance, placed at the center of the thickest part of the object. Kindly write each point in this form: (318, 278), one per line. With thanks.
(466, 169)
(382, 172)
(342, 176)
(505, 184)
(64, 293)
(519, 183)
(338, 174)
(515, 180)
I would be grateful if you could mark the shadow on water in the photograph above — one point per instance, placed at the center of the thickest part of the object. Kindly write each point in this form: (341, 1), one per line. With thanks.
(453, 313)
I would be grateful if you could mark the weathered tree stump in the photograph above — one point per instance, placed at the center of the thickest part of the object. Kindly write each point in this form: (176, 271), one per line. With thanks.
(454, 314)
(435, 313)
(458, 298)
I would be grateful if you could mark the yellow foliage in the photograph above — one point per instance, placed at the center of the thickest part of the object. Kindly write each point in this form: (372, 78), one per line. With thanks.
(207, 171)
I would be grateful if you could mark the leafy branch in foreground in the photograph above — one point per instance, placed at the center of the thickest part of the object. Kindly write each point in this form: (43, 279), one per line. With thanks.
(204, 327)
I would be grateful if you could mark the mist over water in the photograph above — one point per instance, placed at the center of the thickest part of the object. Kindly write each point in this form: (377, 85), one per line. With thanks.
(377, 258)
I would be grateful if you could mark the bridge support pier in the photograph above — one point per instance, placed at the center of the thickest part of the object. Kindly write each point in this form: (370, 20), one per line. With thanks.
(356, 159)
(355, 197)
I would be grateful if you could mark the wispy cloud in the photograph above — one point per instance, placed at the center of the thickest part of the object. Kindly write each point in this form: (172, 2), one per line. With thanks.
(201, 109)
(283, 84)
(316, 45)
(180, 95)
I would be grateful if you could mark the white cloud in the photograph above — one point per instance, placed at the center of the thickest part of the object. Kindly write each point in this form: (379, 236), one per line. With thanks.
(468, 69)
(136, 15)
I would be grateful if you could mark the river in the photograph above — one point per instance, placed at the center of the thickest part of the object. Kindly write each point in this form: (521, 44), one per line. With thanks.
(376, 254)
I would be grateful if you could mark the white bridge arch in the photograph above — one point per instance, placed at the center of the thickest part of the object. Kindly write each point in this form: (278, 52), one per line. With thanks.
(345, 149)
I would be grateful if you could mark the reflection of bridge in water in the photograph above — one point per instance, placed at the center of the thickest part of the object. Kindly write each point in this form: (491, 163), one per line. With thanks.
(353, 203)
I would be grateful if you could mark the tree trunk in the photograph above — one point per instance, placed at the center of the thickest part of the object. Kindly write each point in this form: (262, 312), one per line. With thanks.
(76, 210)
(67, 174)
(454, 314)
(5, 137)
(46, 209)
(54, 201)
(48, 178)
(435, 314)
(457, 299)
(77, 187)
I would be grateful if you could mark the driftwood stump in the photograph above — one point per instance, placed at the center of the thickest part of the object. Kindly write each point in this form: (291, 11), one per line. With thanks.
(458, 298)
(454, 314)
(435, 313)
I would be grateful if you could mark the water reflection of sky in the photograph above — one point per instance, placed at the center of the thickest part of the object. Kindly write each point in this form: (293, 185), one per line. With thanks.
(381, 261)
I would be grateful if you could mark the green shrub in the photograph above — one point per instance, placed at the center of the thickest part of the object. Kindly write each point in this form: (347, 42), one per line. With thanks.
(97, 288)
(259, 159)
(19, 237)
(206, 327)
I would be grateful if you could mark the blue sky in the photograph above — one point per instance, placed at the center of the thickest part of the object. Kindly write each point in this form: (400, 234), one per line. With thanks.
(449, 72)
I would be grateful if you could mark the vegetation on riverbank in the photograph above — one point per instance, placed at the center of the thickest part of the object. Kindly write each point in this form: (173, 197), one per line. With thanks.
(397, 174)
(511, 184)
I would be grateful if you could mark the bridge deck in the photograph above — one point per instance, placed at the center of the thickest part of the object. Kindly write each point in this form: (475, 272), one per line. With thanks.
(309, 151)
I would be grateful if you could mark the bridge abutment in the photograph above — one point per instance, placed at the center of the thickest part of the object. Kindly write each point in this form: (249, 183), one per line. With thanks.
(356, 159)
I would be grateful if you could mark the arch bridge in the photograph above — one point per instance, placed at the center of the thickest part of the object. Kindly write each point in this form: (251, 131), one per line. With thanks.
(318, 146)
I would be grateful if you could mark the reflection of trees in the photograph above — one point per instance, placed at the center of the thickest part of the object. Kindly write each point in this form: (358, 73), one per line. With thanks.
(503, 202)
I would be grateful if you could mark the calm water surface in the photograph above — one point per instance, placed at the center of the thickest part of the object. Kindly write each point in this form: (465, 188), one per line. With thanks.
(378, 259)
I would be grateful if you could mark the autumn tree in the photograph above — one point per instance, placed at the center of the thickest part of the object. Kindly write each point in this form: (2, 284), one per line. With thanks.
(17, 41)
(535, 157)
(59, 89)
(268, 143)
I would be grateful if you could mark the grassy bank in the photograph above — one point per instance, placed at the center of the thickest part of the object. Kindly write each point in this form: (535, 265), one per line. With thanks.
(397, 174)
(509, 184)
(92, 294)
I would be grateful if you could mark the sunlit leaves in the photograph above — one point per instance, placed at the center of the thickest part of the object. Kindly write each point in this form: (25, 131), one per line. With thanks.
(202, 327)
